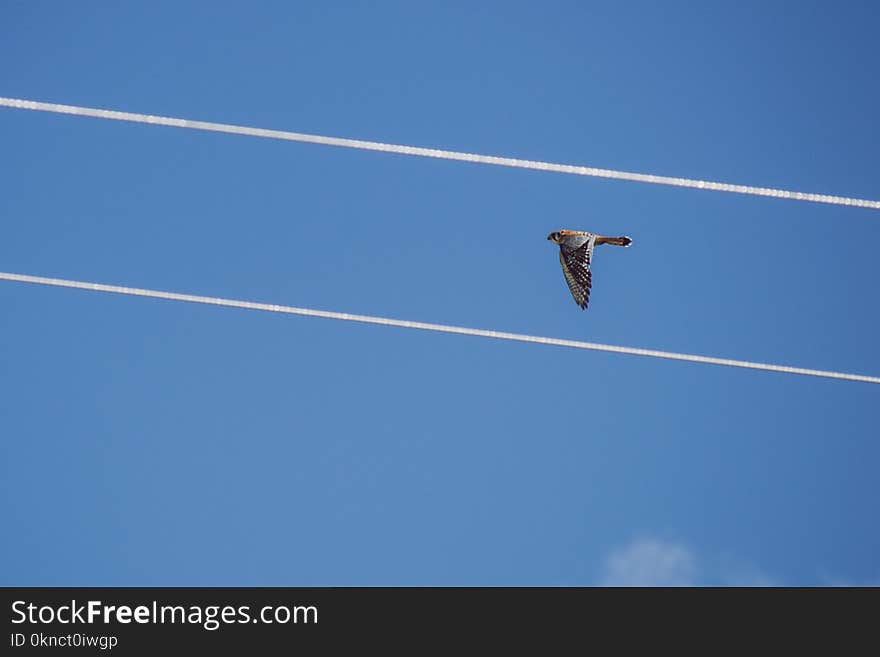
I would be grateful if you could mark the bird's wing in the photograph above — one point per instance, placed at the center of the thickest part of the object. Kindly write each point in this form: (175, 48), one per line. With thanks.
(576, 267)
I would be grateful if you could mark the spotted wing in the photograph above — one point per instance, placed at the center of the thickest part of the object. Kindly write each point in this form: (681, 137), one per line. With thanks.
(576, 267)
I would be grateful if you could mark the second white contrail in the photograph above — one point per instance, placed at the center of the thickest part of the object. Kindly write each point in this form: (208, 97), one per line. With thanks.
(440, 328)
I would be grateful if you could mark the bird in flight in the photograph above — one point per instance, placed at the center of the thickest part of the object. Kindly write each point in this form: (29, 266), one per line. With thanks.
(575, 254)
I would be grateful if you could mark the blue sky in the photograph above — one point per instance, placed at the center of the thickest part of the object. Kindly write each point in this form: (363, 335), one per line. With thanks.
(156, 443)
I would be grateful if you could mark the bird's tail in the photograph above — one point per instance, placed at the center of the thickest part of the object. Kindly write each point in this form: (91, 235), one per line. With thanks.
(616, 241)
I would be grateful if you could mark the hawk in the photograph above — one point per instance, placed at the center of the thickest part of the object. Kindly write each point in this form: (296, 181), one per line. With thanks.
(575, 253)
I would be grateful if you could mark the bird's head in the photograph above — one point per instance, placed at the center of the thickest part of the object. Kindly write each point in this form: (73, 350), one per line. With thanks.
(554, 237)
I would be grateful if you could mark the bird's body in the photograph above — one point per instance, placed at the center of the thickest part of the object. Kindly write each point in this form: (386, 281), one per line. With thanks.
(575, 254)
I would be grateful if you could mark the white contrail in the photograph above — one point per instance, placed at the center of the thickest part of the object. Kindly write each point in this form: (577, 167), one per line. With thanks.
(441, 328)
(436, 153)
